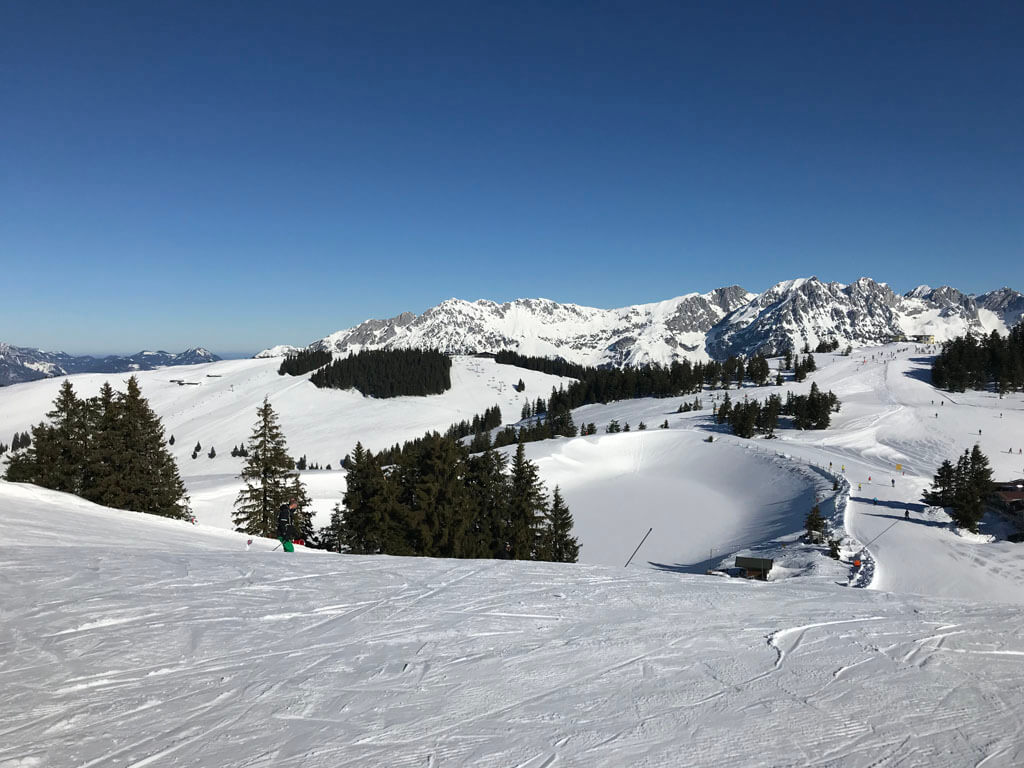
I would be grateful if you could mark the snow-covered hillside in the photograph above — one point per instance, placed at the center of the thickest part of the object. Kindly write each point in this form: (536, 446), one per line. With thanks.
(705, 501)
(695, 326)
(133, 641)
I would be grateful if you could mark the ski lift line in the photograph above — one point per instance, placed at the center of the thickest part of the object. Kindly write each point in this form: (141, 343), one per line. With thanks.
(879, 536)
(638, 547)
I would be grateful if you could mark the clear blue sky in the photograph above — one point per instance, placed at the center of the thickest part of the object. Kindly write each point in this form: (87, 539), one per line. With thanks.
(240, 174)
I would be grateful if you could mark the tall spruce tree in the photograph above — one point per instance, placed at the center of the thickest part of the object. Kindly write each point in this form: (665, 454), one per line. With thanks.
(488, 489)
(527, 507)
(62, 456)
(148, 479)
(437, 496)
(102, 461)
(560, 546)
(269, 476)
(360, 526)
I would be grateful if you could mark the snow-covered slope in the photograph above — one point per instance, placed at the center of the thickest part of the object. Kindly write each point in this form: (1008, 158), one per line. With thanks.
(18, 364)
(695, 326)
(216, 408)
(132, 641)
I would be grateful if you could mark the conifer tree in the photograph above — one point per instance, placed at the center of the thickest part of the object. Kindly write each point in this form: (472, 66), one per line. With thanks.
(814, 522)
(560, 546)
(61, 449)
(358, 529)
(527, 507)
(488, 490)
(436, 497)
(102, 463)
(268, 475)
(147, 477)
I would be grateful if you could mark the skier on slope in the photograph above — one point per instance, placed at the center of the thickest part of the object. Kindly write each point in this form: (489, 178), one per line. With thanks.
(286, 524)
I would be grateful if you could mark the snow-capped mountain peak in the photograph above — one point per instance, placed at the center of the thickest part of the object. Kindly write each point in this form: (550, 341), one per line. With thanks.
(693, 326)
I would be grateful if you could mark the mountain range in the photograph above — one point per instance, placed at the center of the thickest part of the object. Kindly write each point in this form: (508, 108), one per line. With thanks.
(19, 364)
(695, 326)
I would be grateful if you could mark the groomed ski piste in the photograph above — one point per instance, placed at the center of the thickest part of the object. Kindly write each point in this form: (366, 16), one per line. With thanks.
(129, 640)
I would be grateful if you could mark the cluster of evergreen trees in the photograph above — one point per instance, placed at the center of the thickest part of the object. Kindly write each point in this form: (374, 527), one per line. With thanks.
(479, 427)
(305, 360)
(696, 405)
(303, 464)
(963, 488)
(993, 361)
(490, 419)
(239, 450)
(750, 417)
(108, 449)
(270, 481)
(803, 367)
(603, 385)
(441, 501)
(811, 411)
(541, 426)
(389, 373)
(19, 441)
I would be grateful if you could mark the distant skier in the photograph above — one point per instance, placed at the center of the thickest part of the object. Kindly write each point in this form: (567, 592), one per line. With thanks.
(875, 501)
(906, 513)
(286, 524)
(894, 482)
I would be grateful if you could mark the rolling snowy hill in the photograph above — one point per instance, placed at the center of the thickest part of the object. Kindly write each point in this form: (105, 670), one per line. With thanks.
(134, 641)
(705, 501)
(723, 322)
(131, 640)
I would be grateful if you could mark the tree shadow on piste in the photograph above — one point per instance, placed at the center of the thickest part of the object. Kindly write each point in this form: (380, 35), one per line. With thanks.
(911, 519)
(888, 504)
(921, 374)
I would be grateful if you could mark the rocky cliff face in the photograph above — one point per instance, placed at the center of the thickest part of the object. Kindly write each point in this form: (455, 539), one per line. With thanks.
(695, 326)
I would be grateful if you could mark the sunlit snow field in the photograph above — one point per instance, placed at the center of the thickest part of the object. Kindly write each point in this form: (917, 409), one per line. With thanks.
(129, 640)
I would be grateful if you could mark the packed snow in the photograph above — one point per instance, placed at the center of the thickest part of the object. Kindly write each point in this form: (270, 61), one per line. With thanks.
(132, 641)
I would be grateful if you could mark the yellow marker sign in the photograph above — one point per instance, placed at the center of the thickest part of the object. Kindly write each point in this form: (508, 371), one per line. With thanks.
(899, 467)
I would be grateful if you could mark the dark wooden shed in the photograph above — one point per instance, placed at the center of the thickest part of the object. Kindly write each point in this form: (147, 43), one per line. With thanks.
(755, 567)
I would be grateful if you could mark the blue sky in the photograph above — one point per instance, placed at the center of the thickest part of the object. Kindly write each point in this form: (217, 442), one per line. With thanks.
(241, 174)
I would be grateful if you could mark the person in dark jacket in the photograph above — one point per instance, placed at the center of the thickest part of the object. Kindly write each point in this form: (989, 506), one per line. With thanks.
(286, 524)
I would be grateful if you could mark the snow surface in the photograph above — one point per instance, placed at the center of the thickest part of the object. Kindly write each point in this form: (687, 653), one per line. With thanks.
(134, 641)
(130, 640)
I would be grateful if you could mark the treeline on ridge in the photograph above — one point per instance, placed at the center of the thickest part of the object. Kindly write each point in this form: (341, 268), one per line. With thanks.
(603, 385)
(992, 361)
(388, 372)
(305, 360)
